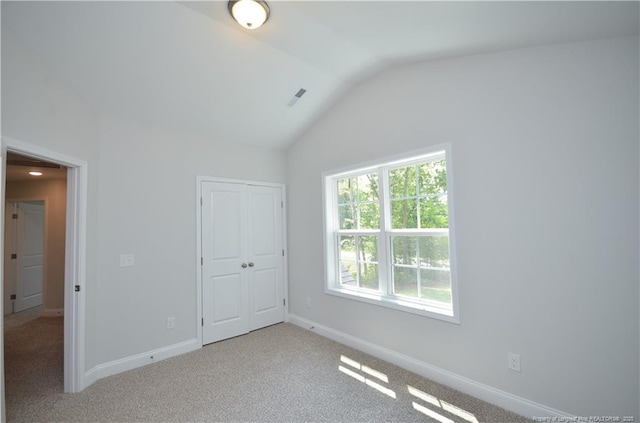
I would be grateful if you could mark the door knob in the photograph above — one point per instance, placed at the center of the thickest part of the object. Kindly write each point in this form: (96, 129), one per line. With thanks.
(244, 265)
(251, 264)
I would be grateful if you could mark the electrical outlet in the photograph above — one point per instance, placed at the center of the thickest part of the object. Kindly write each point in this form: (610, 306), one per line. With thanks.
(126, 260)
(513, 362)
(171, 322)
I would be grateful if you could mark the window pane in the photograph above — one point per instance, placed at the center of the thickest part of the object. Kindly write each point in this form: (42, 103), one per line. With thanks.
(433, 212)
(369, 216)
(348, 268)
(348, 273)
(404, 250)
(368, 247)
(404, 214)
(368, 187)
(432, 178)
(346, 190)
(404, 256)
(359, 261)
(432, 281)
(358, 203)
(402, 182)
(347, 248)
(368, 261)
(405, 281)
(436, 285)
(434, 251)
(345, 216)
(369, 276)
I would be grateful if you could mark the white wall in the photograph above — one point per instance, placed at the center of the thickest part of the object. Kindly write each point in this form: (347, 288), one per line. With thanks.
(148, 208)
(40, 108)
(545, 150)
(142, 203)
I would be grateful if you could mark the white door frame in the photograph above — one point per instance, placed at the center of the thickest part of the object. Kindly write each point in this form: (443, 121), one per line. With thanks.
(75, 255)
(285, 278)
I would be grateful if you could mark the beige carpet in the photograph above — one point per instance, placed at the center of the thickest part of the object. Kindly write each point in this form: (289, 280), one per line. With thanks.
(33, 357)
(280, 374)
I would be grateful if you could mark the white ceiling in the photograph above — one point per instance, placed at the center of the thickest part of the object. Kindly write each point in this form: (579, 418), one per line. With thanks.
(19, 166)
(188, 66)
(21, 173)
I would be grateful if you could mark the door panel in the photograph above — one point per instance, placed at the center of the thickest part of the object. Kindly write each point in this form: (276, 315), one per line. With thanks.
(225, 221)
(265, 250)
(224, 280)
(263, 218)
(227, 299)
(30, 252)
(265, 292)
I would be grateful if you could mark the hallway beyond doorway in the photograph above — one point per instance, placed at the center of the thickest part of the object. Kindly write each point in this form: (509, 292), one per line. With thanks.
(33, 361)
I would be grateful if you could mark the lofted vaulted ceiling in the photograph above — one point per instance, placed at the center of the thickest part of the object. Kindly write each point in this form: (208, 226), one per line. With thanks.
(188, 66)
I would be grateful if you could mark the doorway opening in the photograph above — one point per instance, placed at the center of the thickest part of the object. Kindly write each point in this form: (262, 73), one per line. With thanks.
(33, 285)
(64, 266)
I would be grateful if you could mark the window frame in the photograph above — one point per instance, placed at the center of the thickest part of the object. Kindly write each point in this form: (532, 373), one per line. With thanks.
(332, 232)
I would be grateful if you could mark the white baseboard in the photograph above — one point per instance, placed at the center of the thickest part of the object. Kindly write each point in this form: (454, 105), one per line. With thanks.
(53, 312)
(478, 390)
(90, 377)
(129, 363)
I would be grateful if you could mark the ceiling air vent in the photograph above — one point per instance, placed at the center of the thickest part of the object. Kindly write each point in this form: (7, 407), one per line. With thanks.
(296, 97)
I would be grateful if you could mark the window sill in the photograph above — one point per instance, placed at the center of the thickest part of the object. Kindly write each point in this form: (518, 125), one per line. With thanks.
(427, 310)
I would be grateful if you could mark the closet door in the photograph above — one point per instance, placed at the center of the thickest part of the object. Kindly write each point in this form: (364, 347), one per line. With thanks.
(265, 255)
(225, 279)
(242, 259)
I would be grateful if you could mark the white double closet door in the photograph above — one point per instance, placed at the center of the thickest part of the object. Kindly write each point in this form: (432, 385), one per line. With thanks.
(242, 259)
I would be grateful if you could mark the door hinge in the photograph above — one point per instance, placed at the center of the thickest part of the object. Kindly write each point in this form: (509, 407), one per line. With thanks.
(203, 321)
(282, 253)
(201, 261)
(13, 296)
(14, 216)
(14, 256)
(284, 302)
(282, 204)
(200, 200)
(77, 288)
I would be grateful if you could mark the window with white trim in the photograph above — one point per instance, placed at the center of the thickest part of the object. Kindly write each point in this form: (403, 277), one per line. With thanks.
(389, 234)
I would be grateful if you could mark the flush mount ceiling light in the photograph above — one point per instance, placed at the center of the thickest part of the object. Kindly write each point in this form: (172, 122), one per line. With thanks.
(251, 14)
(34, 173)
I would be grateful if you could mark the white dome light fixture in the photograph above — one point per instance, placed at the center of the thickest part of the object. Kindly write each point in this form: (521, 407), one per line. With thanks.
(251, 14)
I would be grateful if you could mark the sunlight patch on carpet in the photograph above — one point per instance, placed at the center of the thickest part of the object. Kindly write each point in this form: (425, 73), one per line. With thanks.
(369, 372)
(457, 411)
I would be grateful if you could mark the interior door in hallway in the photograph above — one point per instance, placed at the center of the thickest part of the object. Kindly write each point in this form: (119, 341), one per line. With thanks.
(242, 259)
(29, 254)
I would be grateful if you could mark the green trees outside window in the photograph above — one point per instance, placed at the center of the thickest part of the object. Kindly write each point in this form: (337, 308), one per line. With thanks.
(420, 262)
(400, 212)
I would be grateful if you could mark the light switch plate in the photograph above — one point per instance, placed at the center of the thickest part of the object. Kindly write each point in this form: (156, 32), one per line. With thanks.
(513, 362)
(126, 260)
